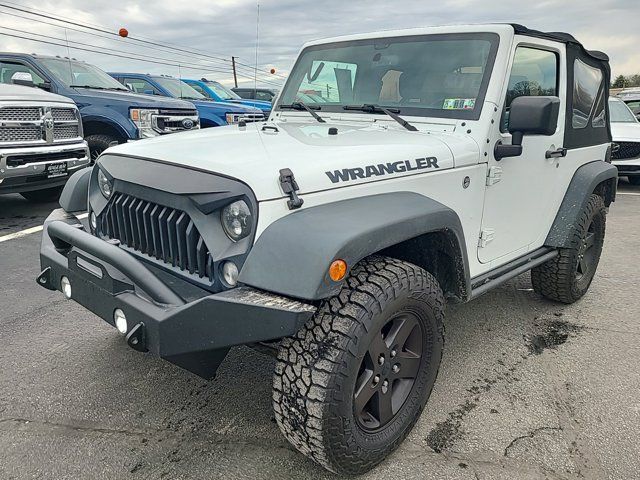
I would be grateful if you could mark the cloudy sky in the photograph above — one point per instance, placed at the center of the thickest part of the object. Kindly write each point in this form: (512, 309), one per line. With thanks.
(219, 29)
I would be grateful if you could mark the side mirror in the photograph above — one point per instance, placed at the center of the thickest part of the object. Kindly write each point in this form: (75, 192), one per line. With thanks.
(529, 116)
(22, 78)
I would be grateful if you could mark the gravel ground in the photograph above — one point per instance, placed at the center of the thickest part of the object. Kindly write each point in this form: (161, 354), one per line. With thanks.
(527, 389)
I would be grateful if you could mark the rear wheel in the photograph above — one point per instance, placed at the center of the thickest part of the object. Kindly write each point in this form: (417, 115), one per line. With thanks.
(634, 180)
(567, 277)
(45, 195)
(351, 384)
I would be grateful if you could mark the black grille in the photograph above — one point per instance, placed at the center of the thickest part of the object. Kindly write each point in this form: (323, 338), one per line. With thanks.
(626, 150)
(164, 233)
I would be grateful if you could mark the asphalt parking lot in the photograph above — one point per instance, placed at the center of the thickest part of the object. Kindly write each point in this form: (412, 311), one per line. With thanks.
(527, 389)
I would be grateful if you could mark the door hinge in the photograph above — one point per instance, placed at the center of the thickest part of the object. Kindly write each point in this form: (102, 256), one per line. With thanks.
(494, 175)
(486, 235)
(290, 187)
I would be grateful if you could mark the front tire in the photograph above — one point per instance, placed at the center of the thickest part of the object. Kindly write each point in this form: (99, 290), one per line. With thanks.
(567, 277)
(352, 383)
(98, 143)
(44, 195)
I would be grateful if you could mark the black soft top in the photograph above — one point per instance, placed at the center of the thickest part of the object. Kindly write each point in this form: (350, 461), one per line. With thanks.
(559, 37)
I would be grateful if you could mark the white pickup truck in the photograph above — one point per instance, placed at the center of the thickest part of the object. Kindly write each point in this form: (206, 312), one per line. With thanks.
(41, 142)
(398, 170)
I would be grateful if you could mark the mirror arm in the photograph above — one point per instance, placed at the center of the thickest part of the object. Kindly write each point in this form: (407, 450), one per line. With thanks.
(501, 150)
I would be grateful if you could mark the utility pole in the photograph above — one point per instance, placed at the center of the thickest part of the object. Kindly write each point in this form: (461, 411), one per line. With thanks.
(235, 76)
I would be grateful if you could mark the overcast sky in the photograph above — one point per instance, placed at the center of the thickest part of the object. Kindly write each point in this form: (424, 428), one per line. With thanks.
(222, 28)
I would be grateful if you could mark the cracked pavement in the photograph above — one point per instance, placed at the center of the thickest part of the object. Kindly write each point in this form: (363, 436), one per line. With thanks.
(527, 389)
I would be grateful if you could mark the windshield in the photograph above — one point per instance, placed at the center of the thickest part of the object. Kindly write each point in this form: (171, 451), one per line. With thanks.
(79, 74)
(222, 91)
(620, 113)
(179, 89)
(429, 75)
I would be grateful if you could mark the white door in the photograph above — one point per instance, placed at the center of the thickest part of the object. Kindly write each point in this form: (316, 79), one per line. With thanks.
(521, 190)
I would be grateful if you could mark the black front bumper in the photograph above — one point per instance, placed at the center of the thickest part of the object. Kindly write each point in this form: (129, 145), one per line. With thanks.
(193, 332)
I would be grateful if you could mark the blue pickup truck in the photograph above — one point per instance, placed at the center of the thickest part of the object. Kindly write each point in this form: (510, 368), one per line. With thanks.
(219, 93)
(110, 113)
(212, 114)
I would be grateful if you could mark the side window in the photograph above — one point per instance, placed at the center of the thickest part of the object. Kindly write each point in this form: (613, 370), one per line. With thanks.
(7, 69)
(199, 89)
(263, 96)
(586, 87)
(534, 73)
(140, 85)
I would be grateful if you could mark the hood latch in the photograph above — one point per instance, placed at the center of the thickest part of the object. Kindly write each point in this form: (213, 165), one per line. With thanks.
(290, 187)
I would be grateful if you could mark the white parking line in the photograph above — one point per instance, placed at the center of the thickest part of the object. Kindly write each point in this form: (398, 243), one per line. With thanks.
(629, 193)
(29, 231)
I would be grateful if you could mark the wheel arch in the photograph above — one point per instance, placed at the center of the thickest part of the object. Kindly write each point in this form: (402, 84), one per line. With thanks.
(597, 177)
(98, 126)
(293, 254)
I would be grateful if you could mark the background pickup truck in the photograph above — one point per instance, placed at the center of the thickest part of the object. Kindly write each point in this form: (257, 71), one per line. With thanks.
(110, 113)
(40, 142)
(219, 93)
(212, 114)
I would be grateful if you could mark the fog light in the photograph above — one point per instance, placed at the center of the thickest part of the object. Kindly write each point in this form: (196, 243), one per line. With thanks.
(121, 321)
(65, 286)
(230, 273)
(94, 221)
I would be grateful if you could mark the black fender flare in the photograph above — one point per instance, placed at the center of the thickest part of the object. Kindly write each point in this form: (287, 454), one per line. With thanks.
(75, 195)
(292, 256)
(584, 182)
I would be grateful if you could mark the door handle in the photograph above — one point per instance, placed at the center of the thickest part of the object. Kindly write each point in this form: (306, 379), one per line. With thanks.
(558, 153)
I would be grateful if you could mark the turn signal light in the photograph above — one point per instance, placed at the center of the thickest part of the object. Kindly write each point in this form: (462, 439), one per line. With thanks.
(337, 270)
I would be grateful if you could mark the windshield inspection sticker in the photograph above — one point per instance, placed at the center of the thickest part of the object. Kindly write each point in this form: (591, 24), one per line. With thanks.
(459, 104)
(347, 174)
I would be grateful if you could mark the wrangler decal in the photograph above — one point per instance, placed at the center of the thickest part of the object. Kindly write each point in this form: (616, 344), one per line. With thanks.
(347, 174)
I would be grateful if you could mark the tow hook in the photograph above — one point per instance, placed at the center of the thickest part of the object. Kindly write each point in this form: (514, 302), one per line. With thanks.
(290, 187)
(136, 338)
(44, 279)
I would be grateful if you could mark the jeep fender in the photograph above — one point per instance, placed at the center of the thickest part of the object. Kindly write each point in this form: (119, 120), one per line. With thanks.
(293, 254)
(75, 194)
(599, 177)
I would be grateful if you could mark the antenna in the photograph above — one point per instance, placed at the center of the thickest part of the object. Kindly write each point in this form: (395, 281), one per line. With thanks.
(255, 71)
(71, 79)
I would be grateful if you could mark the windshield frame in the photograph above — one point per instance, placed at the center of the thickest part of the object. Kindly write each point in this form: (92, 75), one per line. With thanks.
(54, 72)
(183, 85)
(632, 118)
(471, 114)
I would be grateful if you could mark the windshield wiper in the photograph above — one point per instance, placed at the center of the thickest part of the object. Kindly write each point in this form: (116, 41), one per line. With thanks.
(303, 106)
(392, 112)
(100, 88)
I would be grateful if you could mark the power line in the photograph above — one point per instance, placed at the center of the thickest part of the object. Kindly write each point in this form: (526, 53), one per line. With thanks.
(102, 30)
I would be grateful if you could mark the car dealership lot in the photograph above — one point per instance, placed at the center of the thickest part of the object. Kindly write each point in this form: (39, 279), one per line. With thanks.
(527, 389)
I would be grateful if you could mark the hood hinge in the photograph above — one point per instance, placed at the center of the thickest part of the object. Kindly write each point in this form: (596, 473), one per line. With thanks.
(290, 187)
(486, 236)
(494, 175)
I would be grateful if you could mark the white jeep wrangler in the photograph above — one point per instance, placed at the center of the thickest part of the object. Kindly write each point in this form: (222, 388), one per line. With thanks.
(398, 170)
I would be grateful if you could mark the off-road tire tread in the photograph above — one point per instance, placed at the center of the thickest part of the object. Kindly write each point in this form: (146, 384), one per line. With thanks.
(99, 140)
(556, 278)
(311, 366)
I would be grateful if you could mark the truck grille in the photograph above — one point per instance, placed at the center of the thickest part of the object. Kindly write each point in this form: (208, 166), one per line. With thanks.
(164, 233)
(31, 125)
(626, 150)
(20, 134)
(20, 114)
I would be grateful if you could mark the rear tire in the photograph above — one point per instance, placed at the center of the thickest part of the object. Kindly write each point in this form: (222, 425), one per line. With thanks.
(634, 180)
(352, 383)
(45, 195)
(567, 277)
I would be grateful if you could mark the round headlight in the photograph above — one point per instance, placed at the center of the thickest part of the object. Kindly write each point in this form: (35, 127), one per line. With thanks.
(104, 184)
(236, 220)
